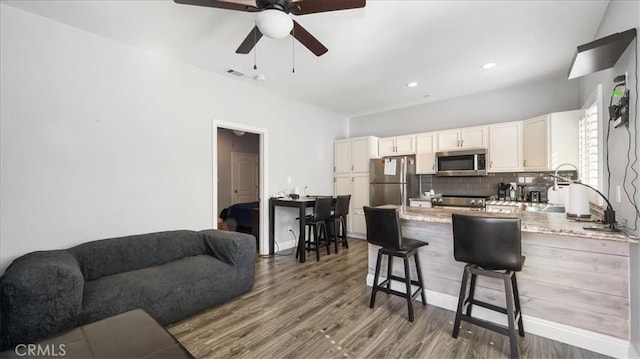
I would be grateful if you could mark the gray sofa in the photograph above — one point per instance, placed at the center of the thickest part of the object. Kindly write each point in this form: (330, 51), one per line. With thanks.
(171, 275)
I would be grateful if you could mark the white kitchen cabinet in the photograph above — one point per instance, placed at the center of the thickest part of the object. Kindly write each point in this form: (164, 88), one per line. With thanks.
(357, 185)
(426, 153)
(505, 147)
(463, 138)
(351, 176)
(342, 156)
(397, 146)
(551, 140)
(353, 154)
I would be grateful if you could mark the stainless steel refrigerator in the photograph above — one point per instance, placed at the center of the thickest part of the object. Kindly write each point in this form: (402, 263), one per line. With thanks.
(393, 180)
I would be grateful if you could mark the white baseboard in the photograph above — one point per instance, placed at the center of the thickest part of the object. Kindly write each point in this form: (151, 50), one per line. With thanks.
(357, 235)
(284, 245)
(633, 354)
(596, 342)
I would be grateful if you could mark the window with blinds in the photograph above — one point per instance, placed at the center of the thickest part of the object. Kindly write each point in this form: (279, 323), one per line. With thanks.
(588, 147)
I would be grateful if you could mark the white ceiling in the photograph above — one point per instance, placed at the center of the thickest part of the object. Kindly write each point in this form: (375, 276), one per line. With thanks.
(373, 52)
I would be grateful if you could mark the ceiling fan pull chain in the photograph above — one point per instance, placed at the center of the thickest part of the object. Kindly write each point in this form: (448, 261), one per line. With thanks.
(293, 50)
(255, 50)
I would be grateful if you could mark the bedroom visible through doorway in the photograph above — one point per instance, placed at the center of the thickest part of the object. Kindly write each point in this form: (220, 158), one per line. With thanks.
(238, 187)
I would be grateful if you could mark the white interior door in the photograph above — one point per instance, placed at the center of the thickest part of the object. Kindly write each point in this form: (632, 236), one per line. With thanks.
(244, 177)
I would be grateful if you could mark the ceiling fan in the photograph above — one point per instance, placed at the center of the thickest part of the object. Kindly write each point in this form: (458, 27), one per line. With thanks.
(273, 20)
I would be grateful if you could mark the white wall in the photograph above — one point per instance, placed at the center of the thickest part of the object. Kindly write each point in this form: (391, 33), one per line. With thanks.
(101, 139)
(512, 104)
(621, 16)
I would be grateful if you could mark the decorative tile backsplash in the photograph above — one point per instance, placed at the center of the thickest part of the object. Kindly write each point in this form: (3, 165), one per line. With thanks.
(488, 186)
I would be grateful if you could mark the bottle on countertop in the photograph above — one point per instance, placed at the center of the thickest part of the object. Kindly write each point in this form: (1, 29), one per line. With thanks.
(512, 192)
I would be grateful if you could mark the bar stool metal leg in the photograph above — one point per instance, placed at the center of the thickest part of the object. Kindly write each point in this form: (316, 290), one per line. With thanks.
(343, 224)
(389, 270)
(407, 281)
(472, 292)
(323, 227)
(376, 277)
(419, 271)
(508, 290)
(461, 300)
(516, 298)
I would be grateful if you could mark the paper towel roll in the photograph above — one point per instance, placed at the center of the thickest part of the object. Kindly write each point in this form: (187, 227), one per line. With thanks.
(560, 196)
(578, 201)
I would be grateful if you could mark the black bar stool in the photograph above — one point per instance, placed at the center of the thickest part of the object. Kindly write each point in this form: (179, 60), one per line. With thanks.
(338, 221)
(316, 222)
(383, 229)
(492, 247)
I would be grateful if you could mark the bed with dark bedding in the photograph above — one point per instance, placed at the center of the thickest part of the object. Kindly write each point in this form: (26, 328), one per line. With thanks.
(243, 215)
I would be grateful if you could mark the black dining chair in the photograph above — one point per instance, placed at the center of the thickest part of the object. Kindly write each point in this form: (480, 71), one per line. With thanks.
(338, 221)
(316, 223)
(383, 229)
(491, 247)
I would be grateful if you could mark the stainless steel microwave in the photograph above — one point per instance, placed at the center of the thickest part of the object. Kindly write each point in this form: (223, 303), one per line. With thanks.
(462, 163)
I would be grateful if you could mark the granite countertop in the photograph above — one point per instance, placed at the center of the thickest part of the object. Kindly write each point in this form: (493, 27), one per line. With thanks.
(548, 223)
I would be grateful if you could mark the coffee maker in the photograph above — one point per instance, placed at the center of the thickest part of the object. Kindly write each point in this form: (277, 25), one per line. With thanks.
(503, 191)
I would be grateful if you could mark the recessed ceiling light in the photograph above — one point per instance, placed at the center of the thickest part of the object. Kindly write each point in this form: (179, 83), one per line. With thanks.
(412, 84)
(489, 65)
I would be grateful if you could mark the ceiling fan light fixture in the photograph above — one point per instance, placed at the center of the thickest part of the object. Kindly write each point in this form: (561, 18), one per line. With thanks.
(274, 23)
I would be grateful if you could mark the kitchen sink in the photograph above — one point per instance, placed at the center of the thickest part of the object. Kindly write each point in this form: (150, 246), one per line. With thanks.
(543, 207)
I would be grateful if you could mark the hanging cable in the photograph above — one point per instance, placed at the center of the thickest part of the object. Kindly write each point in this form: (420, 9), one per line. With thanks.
(632, 197)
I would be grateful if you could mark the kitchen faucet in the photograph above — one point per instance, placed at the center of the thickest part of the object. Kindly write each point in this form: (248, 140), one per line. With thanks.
(555, 176)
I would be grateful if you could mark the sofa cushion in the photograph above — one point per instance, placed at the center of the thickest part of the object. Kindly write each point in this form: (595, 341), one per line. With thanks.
(116, 255)
(168, 292)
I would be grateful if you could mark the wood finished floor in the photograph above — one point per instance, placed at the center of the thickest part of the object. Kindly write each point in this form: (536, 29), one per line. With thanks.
(320, 310)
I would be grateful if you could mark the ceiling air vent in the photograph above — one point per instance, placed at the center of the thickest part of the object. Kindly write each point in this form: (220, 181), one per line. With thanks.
(235, 72)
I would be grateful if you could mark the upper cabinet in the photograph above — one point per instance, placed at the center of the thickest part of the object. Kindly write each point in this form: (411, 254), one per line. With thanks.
(551, 140)
(426, 153)
(396, 146)
(505, 147)
(463, 138)
(353, 154)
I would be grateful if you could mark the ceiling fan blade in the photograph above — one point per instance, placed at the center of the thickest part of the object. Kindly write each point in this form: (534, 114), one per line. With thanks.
(250, 41)
(306, 39)
(303, 7)
(248, 6)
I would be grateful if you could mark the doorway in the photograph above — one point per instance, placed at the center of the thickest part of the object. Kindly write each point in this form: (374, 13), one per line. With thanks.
(239, 156)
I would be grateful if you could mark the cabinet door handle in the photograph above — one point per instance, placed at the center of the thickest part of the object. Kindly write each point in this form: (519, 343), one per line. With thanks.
(352, 166)
(461, 143)
(433, 166)
(352, 179)
(334, 168)
(524, 163)
(491, 164)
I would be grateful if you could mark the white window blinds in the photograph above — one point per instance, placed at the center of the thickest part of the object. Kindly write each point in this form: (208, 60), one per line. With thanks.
(588, 151)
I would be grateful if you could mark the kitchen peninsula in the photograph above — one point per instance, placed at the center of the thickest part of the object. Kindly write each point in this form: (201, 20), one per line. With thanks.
(574, 286)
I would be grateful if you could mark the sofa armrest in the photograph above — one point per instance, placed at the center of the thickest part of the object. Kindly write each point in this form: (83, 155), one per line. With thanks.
(40, 295)
(233, 248)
